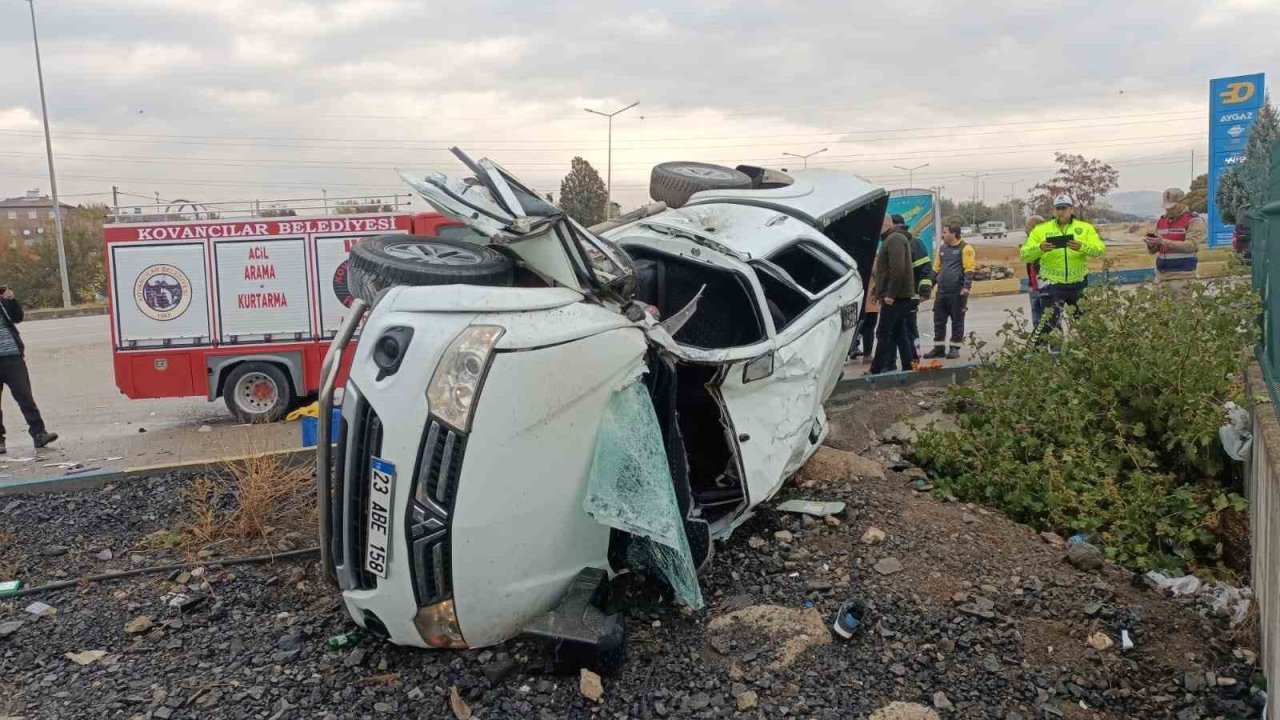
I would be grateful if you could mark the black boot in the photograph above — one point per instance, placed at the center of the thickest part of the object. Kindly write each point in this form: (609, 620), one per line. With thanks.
(953, 353)
(938, 351)
(43, 439)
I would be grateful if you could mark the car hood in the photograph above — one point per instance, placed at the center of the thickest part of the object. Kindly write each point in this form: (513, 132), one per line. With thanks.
(819, 197)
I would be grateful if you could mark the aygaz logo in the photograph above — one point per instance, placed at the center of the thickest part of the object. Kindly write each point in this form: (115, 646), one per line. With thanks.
(1237, 92)
(162, 292)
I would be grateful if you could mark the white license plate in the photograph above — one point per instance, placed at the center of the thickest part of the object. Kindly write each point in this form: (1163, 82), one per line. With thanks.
(382, 481)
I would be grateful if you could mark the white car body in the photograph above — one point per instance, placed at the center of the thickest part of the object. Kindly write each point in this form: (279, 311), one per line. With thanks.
(487, 526)
(993, 229)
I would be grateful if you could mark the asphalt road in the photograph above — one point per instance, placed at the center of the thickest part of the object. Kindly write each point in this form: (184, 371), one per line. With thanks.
(71, 373)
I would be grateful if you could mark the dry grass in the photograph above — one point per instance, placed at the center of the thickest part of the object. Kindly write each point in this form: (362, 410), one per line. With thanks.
(253, 500)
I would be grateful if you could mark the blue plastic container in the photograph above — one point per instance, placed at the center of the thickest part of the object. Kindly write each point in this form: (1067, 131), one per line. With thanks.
(311, 428)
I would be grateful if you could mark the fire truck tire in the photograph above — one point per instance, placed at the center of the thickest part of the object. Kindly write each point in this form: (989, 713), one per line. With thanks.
(257, 392)
(387, 260)
(675, 182)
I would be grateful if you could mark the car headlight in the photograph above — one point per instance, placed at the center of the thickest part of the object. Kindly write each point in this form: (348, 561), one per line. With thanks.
(456, 382)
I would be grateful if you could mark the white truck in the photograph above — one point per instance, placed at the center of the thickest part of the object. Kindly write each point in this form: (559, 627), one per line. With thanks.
(992, 229)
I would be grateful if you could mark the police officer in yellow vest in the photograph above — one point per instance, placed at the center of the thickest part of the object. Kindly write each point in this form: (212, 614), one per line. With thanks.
(1062, 247)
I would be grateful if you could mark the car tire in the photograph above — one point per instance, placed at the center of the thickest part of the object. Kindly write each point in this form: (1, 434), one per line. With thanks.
(675, 182)
(387, 260)
(258, 392)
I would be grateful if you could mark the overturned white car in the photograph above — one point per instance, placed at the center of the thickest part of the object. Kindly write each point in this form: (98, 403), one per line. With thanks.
(535, 402)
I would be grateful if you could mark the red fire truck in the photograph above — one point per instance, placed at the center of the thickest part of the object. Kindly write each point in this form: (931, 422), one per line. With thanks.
(238, 309)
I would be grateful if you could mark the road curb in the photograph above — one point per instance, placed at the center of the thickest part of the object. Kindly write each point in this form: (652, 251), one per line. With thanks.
(38, 314)
(942, 377)
(97, 478)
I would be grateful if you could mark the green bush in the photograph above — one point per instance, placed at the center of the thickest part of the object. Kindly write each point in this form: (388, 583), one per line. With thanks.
(32, 269)
(1116, 436)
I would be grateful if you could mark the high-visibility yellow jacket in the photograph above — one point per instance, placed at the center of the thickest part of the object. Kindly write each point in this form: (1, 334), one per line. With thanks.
(1065, 265)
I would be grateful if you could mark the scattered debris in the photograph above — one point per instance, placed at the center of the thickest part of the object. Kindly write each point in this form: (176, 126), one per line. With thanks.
(345, 640)
(849, 618)
(460, 709)
(88, 657)
(104, 555)
(941, 701)
(908, 431)
(791, 630)
(1101, 641)
(921, 485)
(830, 466)
(1085, 556)
(888, 566)
(873, 536)
(10, 587)
(968, 518)
(9, 628)
(1185, 585)
(816, 508)
(784, 536)
(756, 542)
(1126, 642)
(904, 711)
(747, 700)
(40, 609)
(831, 521)
(590, 685)
(138, 625)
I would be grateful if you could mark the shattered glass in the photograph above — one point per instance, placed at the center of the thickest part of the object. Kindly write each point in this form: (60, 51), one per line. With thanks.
(630, 489)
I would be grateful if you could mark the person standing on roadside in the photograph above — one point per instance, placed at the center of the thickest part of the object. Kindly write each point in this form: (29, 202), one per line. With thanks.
(13, 372)
(866, 334)
(954, 266)
(1178, 237)
(894, 284)
(1062, 248)
(1033, 284)
(922, 271)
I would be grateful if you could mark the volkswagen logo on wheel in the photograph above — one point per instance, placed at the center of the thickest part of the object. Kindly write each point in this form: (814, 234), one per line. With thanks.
(162, 292)
(341, 287)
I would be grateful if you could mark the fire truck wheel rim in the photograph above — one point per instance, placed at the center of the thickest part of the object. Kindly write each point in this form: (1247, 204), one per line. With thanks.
(257, 393)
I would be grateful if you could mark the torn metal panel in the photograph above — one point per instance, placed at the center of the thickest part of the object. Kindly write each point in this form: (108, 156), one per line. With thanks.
(630, 489)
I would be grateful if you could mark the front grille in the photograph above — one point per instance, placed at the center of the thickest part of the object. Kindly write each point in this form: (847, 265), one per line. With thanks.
(364, 442)
(435, 486)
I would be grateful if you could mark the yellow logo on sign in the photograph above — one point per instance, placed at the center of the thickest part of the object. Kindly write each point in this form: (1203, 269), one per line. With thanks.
(1237, 92)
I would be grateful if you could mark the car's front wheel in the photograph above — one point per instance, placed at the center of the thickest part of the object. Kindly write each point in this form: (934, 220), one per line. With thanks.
(387, 260)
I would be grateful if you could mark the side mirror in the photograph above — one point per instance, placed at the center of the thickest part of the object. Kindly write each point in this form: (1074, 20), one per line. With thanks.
(758, 369)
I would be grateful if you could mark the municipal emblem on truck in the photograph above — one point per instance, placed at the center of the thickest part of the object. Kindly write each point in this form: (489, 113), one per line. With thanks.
(341, 288)
(162, 292)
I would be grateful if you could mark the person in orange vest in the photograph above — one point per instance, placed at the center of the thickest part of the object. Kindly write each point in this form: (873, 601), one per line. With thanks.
(1177, 239)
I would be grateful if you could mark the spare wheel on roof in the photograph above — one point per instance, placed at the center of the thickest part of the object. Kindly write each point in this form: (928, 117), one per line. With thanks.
(675, 182)
(387, 260)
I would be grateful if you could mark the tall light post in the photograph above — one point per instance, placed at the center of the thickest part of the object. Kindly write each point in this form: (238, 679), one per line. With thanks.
(973, 209)
(805, 158)
(608, 188)
(53, 180)
(1011, 183)
(911, 172)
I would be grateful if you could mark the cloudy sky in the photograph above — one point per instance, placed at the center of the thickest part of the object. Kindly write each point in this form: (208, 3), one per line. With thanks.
(237, 99)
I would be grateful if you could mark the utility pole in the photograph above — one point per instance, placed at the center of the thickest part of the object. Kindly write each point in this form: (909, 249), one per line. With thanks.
(805, 157)
(911, 171)
(115, 200)
(1193, 166)
(53, 179)
(1011, 183)
(973, 209)
(608, 188)
(325, 194)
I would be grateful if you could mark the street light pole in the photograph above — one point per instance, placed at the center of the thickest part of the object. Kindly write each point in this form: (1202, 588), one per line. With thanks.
(608, 191)
(1011, 183)
(973, 209)
(53, 179)
(805, 157)
(911, 172)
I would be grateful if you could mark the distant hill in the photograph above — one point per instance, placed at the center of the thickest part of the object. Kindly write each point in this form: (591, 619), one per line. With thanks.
(1143, 203)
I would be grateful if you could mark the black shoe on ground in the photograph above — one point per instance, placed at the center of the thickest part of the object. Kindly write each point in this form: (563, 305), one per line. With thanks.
(3, 449)
(43, 439)
(937, 352)
(953, 353)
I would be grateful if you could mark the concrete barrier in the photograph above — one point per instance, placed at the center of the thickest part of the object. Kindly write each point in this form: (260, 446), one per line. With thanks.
(1263, 488)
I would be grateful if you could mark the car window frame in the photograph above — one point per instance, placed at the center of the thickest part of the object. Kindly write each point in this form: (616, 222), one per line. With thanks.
(766, 264)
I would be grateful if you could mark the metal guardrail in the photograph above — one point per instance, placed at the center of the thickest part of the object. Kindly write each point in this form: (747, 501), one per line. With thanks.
(1266, 263)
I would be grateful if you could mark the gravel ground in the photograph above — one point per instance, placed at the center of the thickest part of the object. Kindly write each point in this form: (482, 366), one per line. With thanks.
(984, 619)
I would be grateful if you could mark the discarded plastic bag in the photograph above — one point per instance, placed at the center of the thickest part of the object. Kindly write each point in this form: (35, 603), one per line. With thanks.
(1237, 434)
(1185, 585)
(630, 489)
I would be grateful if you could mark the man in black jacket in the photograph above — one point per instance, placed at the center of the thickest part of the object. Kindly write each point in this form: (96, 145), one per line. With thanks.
(13, 371)
(894, 284)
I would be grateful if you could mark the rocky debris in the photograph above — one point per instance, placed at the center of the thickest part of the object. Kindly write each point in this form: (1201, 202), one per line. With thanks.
(755, 542)
(40, 609)
(941, 702)
(904, 711)
(104, 555)
(460, 709)
(1053, 538)
(1193, 681)
(908, 431)
(590, 685)
(968, 518)
(87, 657)
(829, 466)
(888, 566)
(831, 521)
(873, 536)
(1101, 641)
(787, 631)
(747, 700)
(9, 628)
(1085, 556)
(138, 625)
(784, 536)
